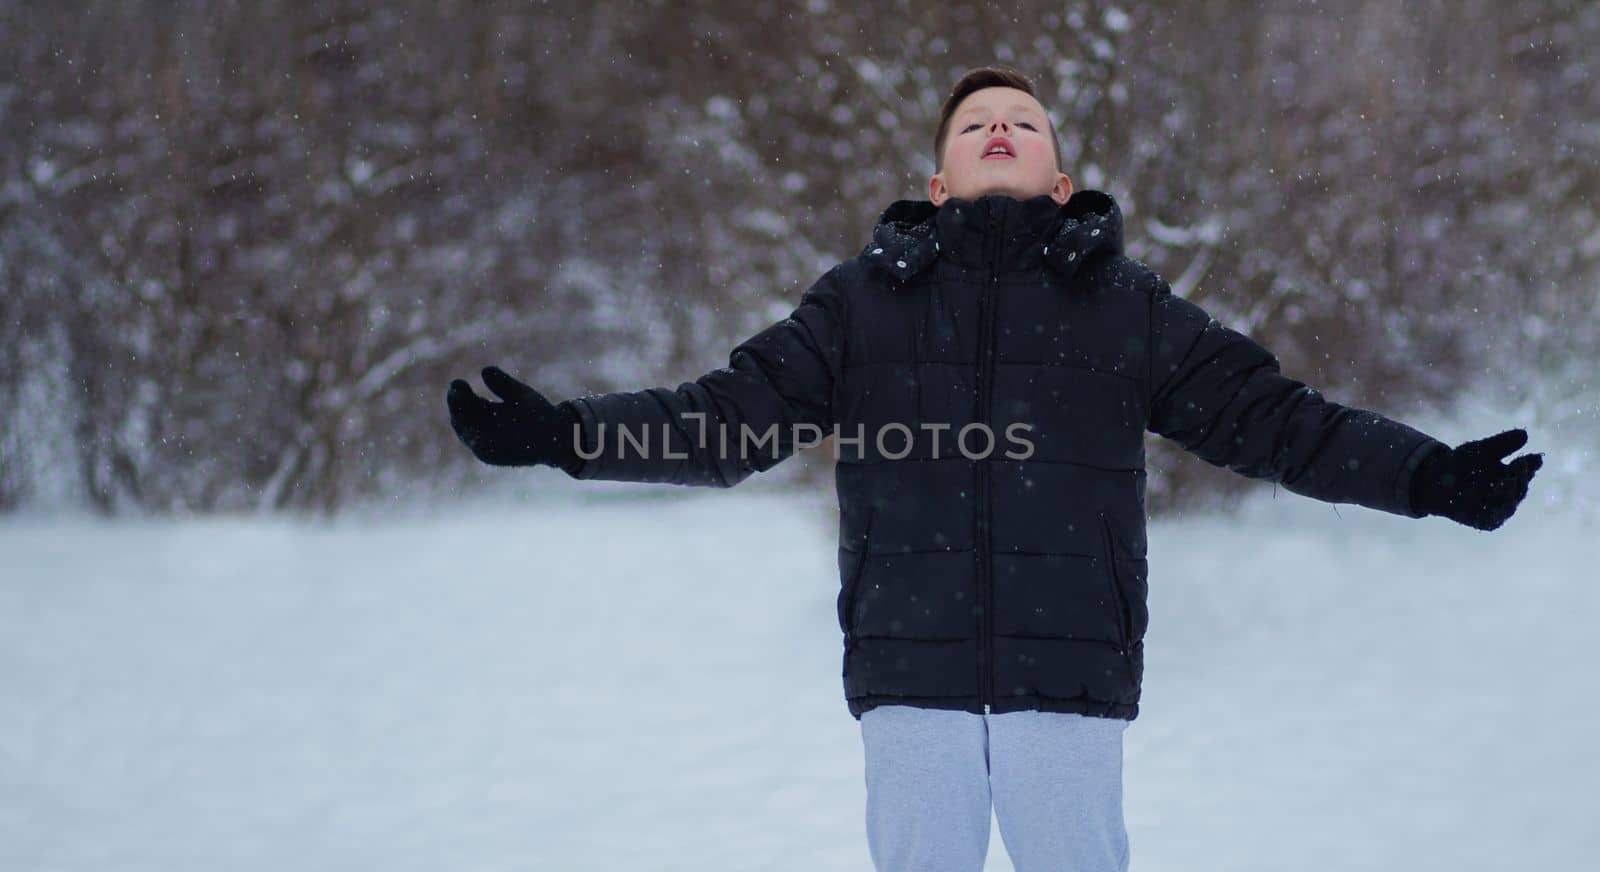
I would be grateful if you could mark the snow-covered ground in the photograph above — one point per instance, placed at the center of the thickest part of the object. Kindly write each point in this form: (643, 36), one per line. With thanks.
(611, 677)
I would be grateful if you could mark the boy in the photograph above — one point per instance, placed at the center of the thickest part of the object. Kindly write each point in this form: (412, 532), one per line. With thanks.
(993, 595)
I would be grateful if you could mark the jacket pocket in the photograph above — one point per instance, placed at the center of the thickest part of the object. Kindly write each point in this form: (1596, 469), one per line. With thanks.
(1118, 601)
(852, 581)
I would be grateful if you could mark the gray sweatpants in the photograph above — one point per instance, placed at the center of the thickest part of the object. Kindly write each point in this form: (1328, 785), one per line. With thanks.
(1055, 781)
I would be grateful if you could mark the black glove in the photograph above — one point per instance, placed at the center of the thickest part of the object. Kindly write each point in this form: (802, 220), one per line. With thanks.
(1468, 484)
(525, 430)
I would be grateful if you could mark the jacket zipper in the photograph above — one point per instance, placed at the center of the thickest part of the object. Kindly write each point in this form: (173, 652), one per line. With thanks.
(1123, 630)
(985, 376)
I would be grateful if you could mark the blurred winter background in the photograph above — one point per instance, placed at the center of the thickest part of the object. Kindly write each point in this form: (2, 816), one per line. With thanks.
(259, 609)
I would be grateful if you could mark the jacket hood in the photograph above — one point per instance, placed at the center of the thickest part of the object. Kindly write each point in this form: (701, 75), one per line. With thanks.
(911, 234)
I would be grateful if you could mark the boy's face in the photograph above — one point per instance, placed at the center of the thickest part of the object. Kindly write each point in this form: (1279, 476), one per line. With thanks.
(998, 116)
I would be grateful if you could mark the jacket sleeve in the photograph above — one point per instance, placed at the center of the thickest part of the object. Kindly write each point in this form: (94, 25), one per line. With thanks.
(775, 394)
(1221, 396)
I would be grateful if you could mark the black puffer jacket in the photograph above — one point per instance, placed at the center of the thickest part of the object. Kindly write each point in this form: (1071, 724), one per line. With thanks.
(1007, 571)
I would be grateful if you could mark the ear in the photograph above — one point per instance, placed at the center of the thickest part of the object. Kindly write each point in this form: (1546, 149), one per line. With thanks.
(937, 192)
(1062, 190)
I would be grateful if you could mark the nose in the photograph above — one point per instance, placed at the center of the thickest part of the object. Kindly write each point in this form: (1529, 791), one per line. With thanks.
(998, 125)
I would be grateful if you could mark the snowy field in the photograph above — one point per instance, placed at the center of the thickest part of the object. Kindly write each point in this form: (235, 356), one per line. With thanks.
(610, 677)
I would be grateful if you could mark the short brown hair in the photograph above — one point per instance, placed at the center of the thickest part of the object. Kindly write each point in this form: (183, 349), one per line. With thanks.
(977, 80)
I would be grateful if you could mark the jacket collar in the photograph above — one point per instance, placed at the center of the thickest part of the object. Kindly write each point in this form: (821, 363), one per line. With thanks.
(911, 234)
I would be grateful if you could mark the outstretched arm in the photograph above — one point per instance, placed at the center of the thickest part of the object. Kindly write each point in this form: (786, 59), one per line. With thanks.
(1221, 396)
(733, 421)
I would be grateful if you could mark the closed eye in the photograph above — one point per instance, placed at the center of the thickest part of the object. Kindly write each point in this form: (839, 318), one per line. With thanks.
(971, 127)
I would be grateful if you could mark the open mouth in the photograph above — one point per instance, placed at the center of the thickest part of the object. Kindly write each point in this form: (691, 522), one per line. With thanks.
(998, 148)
